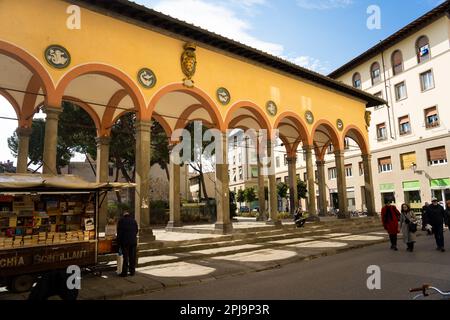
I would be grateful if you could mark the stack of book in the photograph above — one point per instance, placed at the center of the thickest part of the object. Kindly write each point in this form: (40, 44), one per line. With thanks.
(8, 243)
(2, 243)
(42, 237)
(27, 240)
(17, 242)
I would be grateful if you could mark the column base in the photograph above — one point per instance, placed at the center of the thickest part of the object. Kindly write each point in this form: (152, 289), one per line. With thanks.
(313, 218)
(221, 228)
(372, 214)
(147, 233)
(173, 224)
(275, 223)
(343, 215)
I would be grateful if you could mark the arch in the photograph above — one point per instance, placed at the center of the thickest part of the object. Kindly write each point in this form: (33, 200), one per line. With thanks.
(184, 117)
(333, 134)
(107, 119)
(356, 80)
(86, 107)
(301, 125)
(397, 62)
(254, 109)
(204, 99)
(358, 137)
(235, 122)
(33, 65)
(107, 71)
(163, 124)
(13, 103)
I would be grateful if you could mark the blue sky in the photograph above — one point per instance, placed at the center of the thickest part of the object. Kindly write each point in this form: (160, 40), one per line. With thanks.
(319, 34)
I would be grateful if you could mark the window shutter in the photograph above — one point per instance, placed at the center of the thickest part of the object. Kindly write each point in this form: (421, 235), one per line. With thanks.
(384, 161)
(408, 159)
(404, 120)
(437, 154)
(430, 112)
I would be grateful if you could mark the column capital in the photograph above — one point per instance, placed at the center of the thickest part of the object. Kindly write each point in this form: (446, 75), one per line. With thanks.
(339, 153)
(104, 140)
(24, 132)
(320, 163)
(143, 125)
(291, 159)
(367, 157)
(52, 112)
(308, 148)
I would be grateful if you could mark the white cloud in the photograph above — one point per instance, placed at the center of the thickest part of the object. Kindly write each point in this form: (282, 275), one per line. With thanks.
(323, 4)
(311, 63)
(219, 19)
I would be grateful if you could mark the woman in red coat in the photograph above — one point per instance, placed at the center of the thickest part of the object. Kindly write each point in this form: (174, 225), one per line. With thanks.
(390, 217)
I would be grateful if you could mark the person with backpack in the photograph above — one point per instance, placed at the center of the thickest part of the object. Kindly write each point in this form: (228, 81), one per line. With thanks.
(408, 226)
(390, 218)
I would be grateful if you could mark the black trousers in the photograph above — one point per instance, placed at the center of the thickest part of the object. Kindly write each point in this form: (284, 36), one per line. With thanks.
(393, 238)
(438, 231)
(129, 258)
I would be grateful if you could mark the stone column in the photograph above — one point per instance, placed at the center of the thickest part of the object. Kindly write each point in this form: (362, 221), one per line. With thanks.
(102, 171)
(342, 185)
(223, 224)
(174, 195)
(50, 140)
(142, 198)
(273, 194)
(368, 185)
(23, 134)
(312, 214)
(261, 183)
(293, 196)
(322, 188)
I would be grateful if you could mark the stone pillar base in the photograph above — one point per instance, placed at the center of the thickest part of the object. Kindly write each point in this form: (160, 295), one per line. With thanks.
(372, 214)
(343, 216)
(221, 228)
(173, 224)
(147, 232)
(313, 218)
(275, 223)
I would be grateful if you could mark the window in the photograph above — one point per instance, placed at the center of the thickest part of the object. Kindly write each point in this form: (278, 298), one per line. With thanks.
(285, 160)
(404, 125)
(277, 160)
(375, 73)
(423, 49)
(330, 148)
(235, 138)
(286, 179)
(278, 180)
(332, 174)
(397, 62)
(240, 158)
(384, 164)
(407, 160)
(349, 170)
(110, 171)
(431, 118)
(305, 176)
(234, 175)
(241, 174)
(437, 156)
(347, 143)
(400, 91)
(357, 81)
(379, 94)
(381, 131)
(361, 168)
(234, 160)
(427, 80)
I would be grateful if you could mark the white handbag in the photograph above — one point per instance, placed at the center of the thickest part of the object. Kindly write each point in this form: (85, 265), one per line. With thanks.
(119, 262)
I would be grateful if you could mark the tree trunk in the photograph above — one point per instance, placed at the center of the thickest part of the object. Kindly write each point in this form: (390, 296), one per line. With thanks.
(118, 195)
(90, 163)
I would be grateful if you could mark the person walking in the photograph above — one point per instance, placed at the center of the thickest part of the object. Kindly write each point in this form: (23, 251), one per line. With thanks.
(127, 230)
(408, 218)
(424, 216)
(436, 218)
(390, 217)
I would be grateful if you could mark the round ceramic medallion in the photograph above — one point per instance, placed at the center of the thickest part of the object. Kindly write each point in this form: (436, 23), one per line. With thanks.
(146, 78)
(57, 56)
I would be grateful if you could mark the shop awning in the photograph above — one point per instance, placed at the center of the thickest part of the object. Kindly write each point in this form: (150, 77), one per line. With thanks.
(387, 187)
(437, 184)
(411, 185)
(15, 181)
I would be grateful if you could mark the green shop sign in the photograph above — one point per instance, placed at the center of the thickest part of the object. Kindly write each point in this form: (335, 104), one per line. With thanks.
(387, 187)
(411, 185)
(440, 183)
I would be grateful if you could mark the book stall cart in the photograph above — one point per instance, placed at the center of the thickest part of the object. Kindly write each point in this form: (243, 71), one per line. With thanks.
(46, 223)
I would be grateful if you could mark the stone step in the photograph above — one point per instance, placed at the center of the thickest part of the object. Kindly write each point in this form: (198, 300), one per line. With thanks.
(252, 239)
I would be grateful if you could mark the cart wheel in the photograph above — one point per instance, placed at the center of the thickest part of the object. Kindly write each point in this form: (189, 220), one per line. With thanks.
(21, 283)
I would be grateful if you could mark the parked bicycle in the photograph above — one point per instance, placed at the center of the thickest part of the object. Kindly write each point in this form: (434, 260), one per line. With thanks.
(427, 291)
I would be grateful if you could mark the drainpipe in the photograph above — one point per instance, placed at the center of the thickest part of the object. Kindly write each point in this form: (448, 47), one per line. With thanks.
(386, 86)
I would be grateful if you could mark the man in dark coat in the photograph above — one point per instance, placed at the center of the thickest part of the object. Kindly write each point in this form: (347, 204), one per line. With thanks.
(436, 218)
(127, 230)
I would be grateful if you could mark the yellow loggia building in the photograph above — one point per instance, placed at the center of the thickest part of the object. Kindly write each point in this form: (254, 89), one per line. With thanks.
(113, 57)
